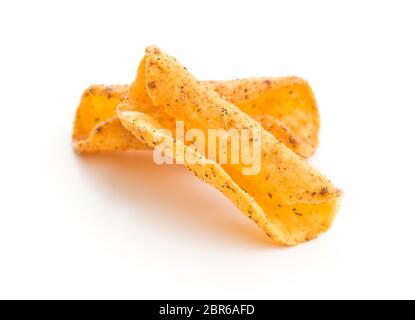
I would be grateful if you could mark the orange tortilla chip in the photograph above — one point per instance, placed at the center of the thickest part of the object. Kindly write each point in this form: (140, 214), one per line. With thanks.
(284, 106)
(288, 199)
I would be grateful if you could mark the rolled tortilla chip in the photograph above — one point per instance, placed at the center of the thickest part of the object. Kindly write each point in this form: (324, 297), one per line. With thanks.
(288, 199)
(284, 106)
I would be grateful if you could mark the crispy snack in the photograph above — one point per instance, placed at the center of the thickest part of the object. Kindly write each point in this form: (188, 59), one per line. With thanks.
(288, 199)
(284, 106)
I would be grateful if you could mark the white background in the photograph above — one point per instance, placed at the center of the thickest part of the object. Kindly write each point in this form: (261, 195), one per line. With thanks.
(118, 226)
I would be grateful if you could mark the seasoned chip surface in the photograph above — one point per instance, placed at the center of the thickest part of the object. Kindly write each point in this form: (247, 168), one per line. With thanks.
(284, 106)
(288, 199)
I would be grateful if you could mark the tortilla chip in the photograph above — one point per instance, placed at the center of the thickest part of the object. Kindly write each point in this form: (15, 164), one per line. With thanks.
(284, 106)
(288, 199)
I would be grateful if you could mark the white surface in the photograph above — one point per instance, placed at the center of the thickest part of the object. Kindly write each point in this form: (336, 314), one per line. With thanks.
(118, 226)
